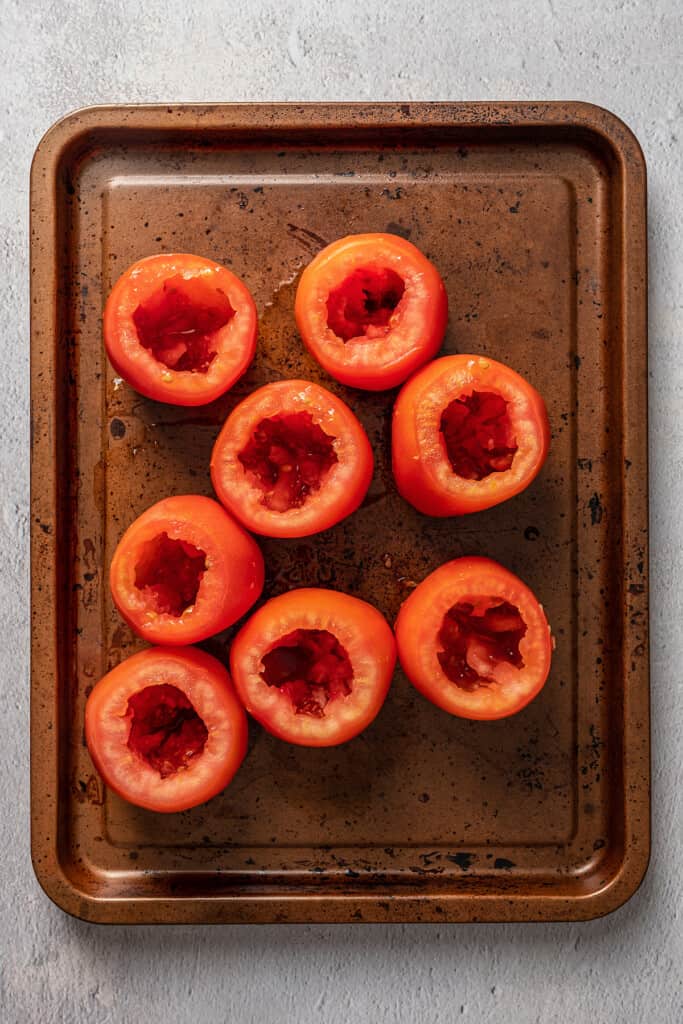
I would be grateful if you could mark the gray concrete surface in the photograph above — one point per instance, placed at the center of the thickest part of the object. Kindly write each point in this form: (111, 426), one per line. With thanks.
(625, 55)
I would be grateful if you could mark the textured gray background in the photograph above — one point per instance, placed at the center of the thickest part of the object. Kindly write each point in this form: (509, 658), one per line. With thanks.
(625, 55)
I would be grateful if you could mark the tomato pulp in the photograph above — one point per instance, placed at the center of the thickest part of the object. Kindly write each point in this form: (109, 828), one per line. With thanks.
(371, 309)
(165, 729)
(467, 433)
(474, 640)
(314, 666)
(291, 460)
(180, 328)
(185, 570)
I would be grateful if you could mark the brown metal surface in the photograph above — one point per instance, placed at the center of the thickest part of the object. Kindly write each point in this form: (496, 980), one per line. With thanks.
(535, 217)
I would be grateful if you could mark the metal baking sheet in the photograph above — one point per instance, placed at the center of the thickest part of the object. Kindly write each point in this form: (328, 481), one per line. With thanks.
(535, 216)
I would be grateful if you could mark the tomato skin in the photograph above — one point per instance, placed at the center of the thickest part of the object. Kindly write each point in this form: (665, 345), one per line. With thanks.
(417, 328)
(232, 581)
(208, 686)
(236, 341)
(343, 488)
(419, 620)
(360, 628)
(422, 471)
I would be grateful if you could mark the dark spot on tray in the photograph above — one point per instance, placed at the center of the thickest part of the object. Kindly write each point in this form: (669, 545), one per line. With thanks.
(423, 798)
(596, 510)
(89, 576)
(532, 533)
(397, 193)
(515, 208)
(501, 863)
(352, 874)
(398, 229)
(463, 153)
(598, 844)
(636, 588)
(585, 464)
(577, 362)
(133, 854)
(541, 333)
(463, 860)
(117, 428)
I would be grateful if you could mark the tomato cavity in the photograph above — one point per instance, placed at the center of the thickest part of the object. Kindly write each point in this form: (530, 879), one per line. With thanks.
(364, 303)
(178, 322)
(475, 640)
(288, 456)
(165, 729)
(311, 667)
(478, 435)
(169, 573)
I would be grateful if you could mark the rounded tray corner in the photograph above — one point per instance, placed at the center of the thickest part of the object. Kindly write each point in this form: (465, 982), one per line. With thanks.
(613, 132)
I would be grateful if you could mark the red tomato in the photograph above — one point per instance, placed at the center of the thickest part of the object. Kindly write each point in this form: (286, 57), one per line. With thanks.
(314, 666)
(474, 640)
(180, 328)
(291, 460)
(467, 433)
(185, 570)
(165, 729)
(371, 309)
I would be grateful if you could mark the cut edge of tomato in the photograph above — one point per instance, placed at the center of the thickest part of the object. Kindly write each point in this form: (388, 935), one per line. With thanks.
(234, 342)
(421, 460)
(346, 478)
(413, 332)
(220, 548)
(205, 685)
(511, 688)
(372, 668)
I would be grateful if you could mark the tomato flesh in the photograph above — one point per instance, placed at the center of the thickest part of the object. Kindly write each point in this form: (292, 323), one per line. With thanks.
(363, 304)
(311, 667)
(169, 573)
(474, 637)
(177, 323)
(165, 730)
(478, 435)
(289, 456)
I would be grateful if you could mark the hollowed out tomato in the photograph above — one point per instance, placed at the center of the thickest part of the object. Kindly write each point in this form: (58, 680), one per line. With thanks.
(291, 460)
(474, 640)
(371, 309)
(467, 433)
(165, 729)
(180, 328)
(185, 570)
(314, 666)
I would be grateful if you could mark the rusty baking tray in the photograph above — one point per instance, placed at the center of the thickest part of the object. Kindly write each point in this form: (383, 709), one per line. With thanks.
(535, 216)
